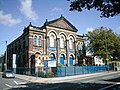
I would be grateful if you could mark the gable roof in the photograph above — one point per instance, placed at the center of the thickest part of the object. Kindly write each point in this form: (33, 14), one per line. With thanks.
(61, 22)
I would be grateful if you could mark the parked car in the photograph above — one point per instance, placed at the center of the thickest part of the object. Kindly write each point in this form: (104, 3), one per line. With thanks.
(8, 74)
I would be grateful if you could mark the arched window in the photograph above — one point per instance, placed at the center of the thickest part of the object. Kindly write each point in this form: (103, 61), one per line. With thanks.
(35, 40)
(52, 41)
(79, 46)
(61, 42)
(52, 56)
(39, 41)
(70, 43)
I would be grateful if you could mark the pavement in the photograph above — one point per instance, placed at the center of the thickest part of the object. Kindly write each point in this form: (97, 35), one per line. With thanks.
(61, 79)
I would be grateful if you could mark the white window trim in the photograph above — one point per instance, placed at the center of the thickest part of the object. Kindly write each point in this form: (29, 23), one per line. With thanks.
(62, 43)
(52, 43)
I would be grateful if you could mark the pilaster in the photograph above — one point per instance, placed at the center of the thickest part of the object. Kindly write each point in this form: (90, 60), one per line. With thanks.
(75, 45)
(47, 44)
(58, 49)
(67, 52)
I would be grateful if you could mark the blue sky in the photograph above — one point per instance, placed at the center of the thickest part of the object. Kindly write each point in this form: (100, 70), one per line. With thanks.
(16, 14)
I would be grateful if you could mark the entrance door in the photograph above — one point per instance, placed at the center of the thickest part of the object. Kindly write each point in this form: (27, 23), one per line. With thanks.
(71, 59)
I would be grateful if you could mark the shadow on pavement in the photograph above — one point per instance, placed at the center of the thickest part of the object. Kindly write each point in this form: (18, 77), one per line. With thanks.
(113, 80)
(61, 86)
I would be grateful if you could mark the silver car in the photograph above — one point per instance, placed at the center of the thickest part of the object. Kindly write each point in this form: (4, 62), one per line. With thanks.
(8, 74)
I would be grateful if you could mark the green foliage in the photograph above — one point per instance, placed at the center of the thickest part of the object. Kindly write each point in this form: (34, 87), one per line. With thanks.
(50, 74)
(108, 8)
(59, 65)
(42, 74)
(116, 53)
(103, 42)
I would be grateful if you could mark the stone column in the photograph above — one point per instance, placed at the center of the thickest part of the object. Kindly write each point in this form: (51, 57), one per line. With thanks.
(75, 48)
(44, 46)
(47, 44)
(58, 50)
(67, 52)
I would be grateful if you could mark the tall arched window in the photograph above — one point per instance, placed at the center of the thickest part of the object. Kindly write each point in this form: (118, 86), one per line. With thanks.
(35, 40)
(39, 41)
(70, 43)
(61, 42)
(52, 56)
(52, 41)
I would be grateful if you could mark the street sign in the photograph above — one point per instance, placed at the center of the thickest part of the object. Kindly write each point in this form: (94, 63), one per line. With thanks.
(52, 63)
(49, 63)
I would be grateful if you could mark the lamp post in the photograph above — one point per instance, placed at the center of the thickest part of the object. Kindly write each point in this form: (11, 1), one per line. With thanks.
(6, 56)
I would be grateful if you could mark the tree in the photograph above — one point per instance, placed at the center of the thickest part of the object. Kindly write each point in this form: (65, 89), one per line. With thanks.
(116, 53)
(103, 42)
(108, 8)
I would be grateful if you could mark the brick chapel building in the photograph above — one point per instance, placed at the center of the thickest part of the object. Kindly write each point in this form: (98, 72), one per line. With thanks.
(55, 40)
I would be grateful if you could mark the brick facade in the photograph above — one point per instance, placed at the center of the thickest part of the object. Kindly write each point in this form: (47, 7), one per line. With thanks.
(34, 44)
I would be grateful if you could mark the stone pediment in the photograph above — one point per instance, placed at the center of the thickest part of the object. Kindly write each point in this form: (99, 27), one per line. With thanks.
(62, 23)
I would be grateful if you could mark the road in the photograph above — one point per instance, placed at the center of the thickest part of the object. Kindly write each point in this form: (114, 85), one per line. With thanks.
(9, 83)
(99, 82)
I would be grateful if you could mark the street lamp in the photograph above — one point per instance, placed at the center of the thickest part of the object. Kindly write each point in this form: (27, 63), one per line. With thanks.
(6, 56)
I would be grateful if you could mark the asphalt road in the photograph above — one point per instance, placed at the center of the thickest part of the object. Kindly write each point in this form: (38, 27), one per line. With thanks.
(105, 82)
(9, 83)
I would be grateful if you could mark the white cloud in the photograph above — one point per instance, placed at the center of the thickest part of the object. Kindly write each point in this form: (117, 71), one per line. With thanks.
(7, 19)
(89, 29)
(27, 11)
(56, 10)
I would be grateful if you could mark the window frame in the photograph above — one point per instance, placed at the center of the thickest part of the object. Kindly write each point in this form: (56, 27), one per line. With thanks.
(62, 39)
(70, 43)
(52, 40)
(39, 41)
(35, 40)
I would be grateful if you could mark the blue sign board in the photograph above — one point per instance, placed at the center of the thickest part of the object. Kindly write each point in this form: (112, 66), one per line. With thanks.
(71, 50)
(52, 48)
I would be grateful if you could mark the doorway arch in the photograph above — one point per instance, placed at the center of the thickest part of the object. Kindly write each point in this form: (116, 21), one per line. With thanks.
(62, 59)
(71, 58)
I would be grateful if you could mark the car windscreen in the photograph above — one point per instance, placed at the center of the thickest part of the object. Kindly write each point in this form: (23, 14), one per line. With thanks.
(8, 71)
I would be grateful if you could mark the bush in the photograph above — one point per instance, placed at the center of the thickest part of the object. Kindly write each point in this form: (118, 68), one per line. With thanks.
(42, 74)
(50, 74)
(59, 65)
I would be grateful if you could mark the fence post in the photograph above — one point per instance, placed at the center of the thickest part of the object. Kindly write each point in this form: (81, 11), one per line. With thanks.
(65, 71)
(87, 69)
(47, 72)
(74, 70)
(82, 70)
(94, 69)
